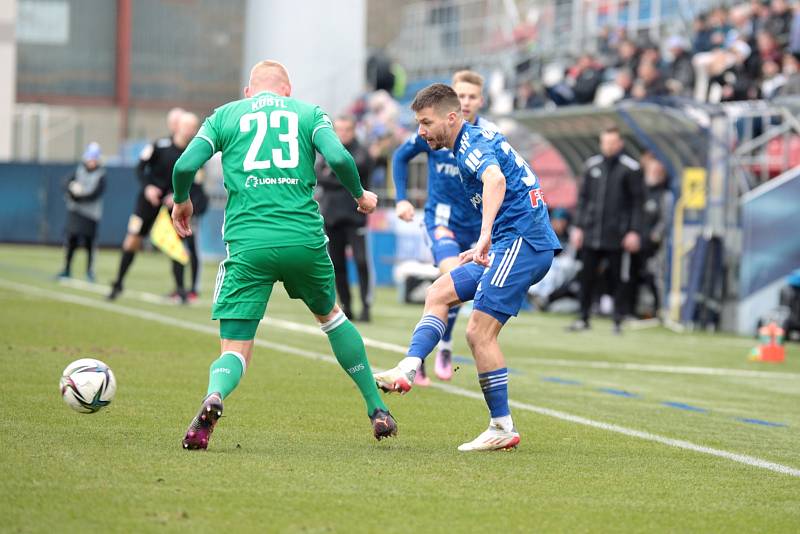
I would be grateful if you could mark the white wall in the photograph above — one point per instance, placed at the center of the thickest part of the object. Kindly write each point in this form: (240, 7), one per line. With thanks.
(321, 42)
(8, 74)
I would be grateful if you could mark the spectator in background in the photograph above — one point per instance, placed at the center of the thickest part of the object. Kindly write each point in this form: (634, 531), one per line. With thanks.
(344, 225)
(656, 225)
(585, 77)
(680, 72)
(719, 28)
(84, 190)
(612, 92)
(627, 56)
(738, 81)
(779, 22)
(527, 97)
(608, 224)
(791, 69)
(772, 79)
(759, 14)
(649, 83)
(702, 34)
(768, 50)
(794, 31)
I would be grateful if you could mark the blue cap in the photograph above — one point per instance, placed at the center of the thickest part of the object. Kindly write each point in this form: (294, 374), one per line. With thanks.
(559, 213)
(794, 278)
(92, 152)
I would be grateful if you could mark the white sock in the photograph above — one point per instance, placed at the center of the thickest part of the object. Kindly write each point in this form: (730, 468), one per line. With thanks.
(446, 345)
(410, 363)
(504, 422)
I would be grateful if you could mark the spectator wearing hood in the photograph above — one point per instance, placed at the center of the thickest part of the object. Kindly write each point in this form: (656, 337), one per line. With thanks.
(84, 190)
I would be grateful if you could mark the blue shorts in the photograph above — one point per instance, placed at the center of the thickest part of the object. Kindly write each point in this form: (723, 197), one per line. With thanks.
(500, 289)
(448, 243)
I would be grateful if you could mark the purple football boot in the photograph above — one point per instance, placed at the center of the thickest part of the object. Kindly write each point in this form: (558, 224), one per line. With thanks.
(202, 425)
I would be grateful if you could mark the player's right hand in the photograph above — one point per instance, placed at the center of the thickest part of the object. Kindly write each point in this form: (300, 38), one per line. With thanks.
(182, 218)
(404, 210)
(367, 202)
(153, 195)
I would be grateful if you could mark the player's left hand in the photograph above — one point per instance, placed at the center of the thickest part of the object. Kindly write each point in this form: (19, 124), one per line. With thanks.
(182, 218)
(481, 250)
(631, 242)
(466, 256)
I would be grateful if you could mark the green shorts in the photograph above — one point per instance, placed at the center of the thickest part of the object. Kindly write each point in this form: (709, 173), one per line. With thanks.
(245, 280)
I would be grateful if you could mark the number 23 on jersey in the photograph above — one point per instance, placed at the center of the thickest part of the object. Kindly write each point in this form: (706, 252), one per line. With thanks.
(285, 122)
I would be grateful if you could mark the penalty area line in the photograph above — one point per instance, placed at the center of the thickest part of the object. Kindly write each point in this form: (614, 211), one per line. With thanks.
(454, 390)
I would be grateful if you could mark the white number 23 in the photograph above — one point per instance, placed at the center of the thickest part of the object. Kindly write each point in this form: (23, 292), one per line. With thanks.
(289, 137)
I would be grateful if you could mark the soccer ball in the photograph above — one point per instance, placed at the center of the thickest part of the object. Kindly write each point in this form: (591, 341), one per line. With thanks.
(87, 385)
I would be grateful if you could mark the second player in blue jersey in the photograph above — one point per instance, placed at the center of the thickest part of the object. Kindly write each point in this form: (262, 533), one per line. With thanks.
(452, 223)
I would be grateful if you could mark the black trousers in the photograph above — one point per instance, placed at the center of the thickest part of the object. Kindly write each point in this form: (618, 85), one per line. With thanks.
(340, 235)
(590, 279)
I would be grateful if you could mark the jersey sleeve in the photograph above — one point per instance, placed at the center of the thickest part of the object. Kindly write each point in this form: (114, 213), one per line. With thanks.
(192, 159)
(320, 120)
(481, 156)
(210, 132)
(406, 152)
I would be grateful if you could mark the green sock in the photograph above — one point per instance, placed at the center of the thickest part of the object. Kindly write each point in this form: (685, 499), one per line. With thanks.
(349, 349)
(225, 373)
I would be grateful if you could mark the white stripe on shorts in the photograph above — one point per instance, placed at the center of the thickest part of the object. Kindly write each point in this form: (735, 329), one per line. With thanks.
(516, 247)
(218, 283)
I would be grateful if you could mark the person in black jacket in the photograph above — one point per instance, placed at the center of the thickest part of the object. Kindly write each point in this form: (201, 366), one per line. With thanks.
(343, 224)
(155, 174)
(608, 223)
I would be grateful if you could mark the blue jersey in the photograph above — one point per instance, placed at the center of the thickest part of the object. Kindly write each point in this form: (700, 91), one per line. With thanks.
(523, 212)
(447, 204)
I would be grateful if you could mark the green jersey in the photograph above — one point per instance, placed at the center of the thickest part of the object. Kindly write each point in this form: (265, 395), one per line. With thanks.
(268, 155)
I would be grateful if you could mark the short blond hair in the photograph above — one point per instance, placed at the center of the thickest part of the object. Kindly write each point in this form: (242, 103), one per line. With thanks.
(267, 73)
(468, 76)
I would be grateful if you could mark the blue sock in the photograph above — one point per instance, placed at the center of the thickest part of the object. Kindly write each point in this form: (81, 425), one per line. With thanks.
(452, 315)
(495, 390)
(426, 335)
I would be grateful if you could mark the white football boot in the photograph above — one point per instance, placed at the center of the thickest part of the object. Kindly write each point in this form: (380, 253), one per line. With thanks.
(395, 380)
(493, 438)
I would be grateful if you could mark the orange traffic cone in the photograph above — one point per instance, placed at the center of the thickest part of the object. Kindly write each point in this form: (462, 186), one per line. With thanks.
(770, 346)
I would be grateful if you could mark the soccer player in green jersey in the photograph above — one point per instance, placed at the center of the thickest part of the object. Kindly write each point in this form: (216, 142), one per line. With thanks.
(273, 232)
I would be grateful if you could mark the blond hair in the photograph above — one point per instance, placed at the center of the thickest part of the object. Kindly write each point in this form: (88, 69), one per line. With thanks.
(268, 74)
(468, 76)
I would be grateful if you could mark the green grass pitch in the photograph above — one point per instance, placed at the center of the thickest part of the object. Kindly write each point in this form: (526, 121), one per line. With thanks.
(294, 452)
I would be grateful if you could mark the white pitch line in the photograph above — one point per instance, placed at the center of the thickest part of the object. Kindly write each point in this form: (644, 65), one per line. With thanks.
(656, 368)
(189, 325)
(152, 298)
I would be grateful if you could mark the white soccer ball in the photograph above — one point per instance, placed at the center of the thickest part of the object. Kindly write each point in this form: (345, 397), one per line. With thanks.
(87, 385)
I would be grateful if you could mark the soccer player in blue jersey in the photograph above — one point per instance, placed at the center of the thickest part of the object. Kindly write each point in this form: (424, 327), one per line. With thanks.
(451, 221)
(514, 251)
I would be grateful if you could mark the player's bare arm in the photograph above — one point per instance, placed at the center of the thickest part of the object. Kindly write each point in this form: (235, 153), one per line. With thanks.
(494, 189)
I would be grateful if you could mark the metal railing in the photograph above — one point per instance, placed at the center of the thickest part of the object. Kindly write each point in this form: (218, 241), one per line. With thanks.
(440, 36)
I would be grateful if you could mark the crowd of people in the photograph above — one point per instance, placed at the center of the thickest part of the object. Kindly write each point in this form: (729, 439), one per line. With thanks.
(748, 51)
